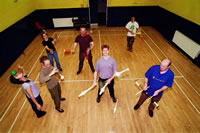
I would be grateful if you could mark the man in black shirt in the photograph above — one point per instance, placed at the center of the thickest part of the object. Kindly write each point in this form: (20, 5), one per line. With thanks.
(49, 43)
(86, 44)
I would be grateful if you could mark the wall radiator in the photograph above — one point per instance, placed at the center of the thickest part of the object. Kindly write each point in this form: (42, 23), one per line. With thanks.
(186, 44)
(63, 22)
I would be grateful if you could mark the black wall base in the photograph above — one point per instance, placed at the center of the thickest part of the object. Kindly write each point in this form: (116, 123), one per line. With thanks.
(18, 36)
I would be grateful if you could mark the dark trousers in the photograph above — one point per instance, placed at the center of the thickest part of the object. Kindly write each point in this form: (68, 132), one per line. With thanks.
(144, 96)
(34, 107)
(110, 87)
(130, 41)
(81, 60)
(56, 95)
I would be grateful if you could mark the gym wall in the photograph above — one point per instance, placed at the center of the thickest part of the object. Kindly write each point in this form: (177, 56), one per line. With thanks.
(188, 9)
(167, 17)
(17, 29)
(13, 11)
(19, 16)
(56, 4)
(125, 3)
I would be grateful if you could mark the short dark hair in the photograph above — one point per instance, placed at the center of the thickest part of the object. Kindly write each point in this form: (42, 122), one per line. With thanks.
(83, 27)
(104, 46)
(17, 81)
(133, 17)
(43, 58)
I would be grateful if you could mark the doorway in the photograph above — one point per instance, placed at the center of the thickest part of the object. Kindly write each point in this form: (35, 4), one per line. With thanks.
(102, 6)
(98, 11)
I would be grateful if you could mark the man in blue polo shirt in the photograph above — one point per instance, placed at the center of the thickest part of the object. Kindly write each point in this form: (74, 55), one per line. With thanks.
(157, 79)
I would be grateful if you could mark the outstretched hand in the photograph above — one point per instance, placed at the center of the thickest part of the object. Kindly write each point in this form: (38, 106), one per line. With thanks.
(145, 87)
(39, 107)
(156, 93)
(108, 81)
(88, 50)
(19, 66)
(73, 51)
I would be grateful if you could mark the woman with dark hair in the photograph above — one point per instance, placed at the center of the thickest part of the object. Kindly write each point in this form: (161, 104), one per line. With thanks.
(48, 43)
(31, 90)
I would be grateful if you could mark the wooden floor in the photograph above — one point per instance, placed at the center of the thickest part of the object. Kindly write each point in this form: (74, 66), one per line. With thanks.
(179, 106)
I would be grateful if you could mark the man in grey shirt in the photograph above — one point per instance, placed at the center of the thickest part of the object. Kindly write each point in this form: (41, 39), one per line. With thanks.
(47, 74)
(106, 67)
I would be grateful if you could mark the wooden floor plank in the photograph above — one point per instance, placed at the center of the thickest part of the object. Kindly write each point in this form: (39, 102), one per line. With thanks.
(85, 115)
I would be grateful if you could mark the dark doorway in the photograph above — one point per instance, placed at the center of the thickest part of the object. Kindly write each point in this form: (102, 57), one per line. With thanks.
(97, 11)
(102, 6)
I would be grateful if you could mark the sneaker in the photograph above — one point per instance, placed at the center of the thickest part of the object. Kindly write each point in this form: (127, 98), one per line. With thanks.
(60, 110)
(42, 113)
(98, 100)
(114, 99)
(136, 107)
(78, 72)
(150, 113)
(62, 99)
(61, 69)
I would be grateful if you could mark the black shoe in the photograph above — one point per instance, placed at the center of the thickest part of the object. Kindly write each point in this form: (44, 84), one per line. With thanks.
(93, 71)
(150, 113)
(62, 99)
(78, 72)
(114, 99)
(42, 113)
(98, 100)
(61, 69)
(130, 50)
(60, 110)
(136, 107)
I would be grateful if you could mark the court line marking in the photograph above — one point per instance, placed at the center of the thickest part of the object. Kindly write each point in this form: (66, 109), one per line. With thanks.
(63, 81)
(20, 87)
(70, 81)
(55, 33)
(174, 80)
(20, 110)
(35, 82)
(17, 116)
(144, 77)
(172, 64)
(92, 30)
(92, 80)
(60, 34)
(96, 35)
(186, 96)
(26, 99)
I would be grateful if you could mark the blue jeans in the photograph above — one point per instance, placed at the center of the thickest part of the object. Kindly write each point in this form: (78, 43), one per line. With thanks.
(55, 56)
